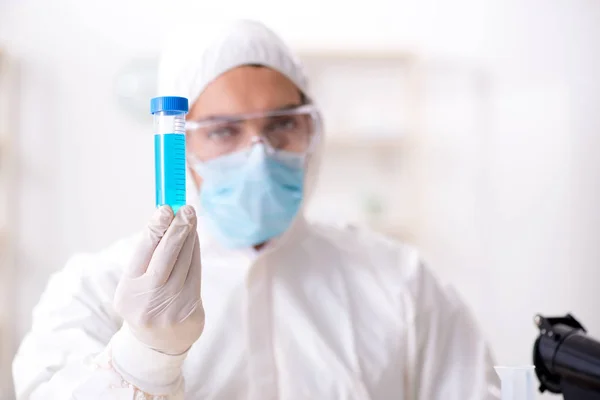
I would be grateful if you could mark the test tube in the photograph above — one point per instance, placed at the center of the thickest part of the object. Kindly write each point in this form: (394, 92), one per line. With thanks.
(517, 383)
(169, 150)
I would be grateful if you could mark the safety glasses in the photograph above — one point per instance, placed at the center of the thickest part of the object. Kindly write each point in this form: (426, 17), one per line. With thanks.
(292, 130)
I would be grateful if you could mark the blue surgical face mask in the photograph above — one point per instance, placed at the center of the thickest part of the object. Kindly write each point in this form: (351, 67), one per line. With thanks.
(251, 196)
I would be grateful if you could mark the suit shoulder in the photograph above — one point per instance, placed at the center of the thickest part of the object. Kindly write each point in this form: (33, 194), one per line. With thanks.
(370, 248)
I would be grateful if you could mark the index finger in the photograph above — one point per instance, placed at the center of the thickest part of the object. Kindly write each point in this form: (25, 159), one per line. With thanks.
(154, 232)
(170, 246)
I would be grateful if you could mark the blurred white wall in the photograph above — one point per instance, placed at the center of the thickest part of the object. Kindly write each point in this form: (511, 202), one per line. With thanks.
(540, 214)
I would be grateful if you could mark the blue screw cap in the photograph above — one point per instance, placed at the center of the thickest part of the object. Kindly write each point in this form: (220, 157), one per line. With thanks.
(169, 103)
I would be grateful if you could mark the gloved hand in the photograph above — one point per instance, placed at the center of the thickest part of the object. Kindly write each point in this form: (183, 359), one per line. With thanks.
(158, 295)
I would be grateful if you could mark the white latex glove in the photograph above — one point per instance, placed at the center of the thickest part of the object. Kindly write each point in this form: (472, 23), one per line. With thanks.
(158, 295)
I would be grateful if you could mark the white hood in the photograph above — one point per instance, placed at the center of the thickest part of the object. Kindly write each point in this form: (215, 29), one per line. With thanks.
(199, 54)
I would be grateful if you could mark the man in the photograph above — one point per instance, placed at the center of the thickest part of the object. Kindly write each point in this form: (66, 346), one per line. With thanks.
(294, 310)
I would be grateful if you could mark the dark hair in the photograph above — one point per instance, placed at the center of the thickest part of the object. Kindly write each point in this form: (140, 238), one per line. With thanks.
(303, 98)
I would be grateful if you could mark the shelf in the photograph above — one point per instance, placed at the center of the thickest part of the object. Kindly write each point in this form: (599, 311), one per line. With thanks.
(367, 54)
(339, 142)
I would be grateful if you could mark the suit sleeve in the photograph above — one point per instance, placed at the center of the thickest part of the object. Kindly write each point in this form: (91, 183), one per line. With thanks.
(68, 353)
(454, 360)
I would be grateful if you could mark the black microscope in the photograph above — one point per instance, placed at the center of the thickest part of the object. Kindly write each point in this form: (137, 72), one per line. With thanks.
(566, 360)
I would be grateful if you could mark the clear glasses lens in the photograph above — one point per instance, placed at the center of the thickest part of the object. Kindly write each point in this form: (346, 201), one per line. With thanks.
(290, 131)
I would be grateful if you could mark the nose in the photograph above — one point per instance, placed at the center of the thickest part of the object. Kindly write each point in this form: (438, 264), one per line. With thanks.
(256, 139)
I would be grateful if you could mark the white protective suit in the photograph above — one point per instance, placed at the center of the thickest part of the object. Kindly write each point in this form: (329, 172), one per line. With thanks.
(322, 313)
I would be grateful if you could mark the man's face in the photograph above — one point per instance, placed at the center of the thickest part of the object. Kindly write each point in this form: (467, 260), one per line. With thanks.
(243, 90)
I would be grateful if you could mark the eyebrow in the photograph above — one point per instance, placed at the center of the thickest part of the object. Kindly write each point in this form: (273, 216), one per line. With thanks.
(233, 117)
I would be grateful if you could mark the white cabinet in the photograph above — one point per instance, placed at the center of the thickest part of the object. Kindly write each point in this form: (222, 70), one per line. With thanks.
(407, 147)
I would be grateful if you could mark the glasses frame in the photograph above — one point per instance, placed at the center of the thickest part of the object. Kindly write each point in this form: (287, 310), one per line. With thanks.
(310, 109)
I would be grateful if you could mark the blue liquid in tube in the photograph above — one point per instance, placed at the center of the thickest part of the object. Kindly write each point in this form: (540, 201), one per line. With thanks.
(169, 161)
